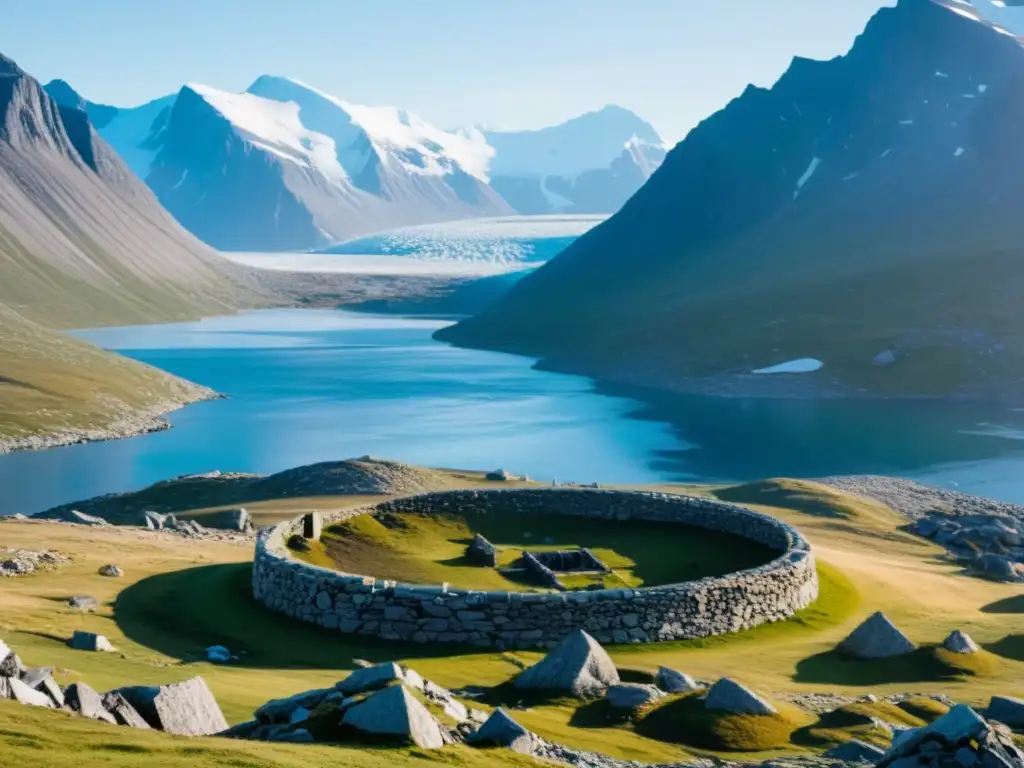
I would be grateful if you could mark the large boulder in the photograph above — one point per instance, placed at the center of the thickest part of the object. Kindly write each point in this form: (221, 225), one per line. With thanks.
(124, 713)
(229, 520)
(370, 678)
(394, 712)
(84, 700)
(41, 679)
(997, 567)
(89, 641)
(577, 666)
(23, 694)
(280, 710)
(960, 726)
(877, 638)
(184, 709)
(501, 730)
(729, 696)
(674, 681)
(960, 642)
(1006, 710)
(631, 696)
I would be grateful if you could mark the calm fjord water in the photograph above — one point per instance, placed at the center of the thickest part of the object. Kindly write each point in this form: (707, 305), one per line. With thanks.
(312, 385)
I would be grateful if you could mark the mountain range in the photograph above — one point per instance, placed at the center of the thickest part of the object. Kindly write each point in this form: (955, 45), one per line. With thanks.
(863, 212)
(284, 166)
(84, 242)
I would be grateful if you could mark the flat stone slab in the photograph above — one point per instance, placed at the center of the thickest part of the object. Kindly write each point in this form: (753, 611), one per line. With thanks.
(84, 700)
(23, 694)
(395, 712)
(124, 713)
(370, 678)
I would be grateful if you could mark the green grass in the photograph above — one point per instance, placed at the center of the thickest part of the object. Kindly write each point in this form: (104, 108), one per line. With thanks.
(853, 721)
(50, 383)
(431, 548)
(926, 664)
(685, 720)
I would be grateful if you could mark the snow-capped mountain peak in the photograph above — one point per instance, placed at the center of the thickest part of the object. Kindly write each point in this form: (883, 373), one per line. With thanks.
(400, 139)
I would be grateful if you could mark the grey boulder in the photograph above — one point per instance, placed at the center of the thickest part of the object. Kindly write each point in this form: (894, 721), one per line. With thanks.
(23, 694)
(84, 700)
(729, 696)
(674, 681)
(631, 696)
(1007, 710)
(960, 642)
(111, 570)
(877, 638)
(370, 678)
(501, 730)
(577, 666)
(83, 603)
(89, 641)
(124, 713)
(184, 709)
(394, 712)
(856, 751)
(280, 710)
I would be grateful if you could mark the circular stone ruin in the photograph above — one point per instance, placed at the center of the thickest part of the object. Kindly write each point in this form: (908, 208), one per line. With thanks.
(375, 607)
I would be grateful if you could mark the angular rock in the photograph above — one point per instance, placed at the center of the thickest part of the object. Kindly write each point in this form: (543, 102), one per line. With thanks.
(674, 681)
(884, 358)
(74, 516)
(960, 642)
(89, 641)
(41, 679)
(499, 476)
(11, 666)
(23, 694)
(370, 678)
(396, 713)
(124, 713)
(729, 696)
(501, 730)
(877, 638)
(958, 726)
(229, 520)
(482, 552)
(997, 568)
(280, 710)
(577, 666)
(84, 700)
(156, 521)
(83, 603)
(1006, 710)
(184, 709)
(111, 570)
(856, 751)
(631, 696)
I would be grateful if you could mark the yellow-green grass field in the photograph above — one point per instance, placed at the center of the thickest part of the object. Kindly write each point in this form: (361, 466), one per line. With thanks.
(431, 549)
(181, 595)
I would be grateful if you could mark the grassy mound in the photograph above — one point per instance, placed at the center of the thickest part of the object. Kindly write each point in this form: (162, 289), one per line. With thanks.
(684, 720)
(923, 708)
(927, 664)
(431, 549)
(814, 499)
(856, 721)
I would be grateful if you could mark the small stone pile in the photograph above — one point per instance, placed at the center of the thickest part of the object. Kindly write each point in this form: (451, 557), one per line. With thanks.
(185, 709)
(960, 738)
(22, 562)
(384, 701)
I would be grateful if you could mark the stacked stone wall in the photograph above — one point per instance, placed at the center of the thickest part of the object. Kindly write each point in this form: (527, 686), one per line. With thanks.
(364, 605)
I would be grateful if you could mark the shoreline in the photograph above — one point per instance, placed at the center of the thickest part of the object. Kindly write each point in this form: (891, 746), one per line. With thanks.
(136, 423)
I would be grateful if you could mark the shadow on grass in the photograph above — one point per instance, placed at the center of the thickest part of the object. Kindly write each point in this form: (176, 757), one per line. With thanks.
(598, 714)
(183, 612)
(922, 666)
(1013, 604)
(1010, 647)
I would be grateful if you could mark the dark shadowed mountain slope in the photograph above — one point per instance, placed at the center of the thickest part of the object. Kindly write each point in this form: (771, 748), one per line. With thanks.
(864, 211)
(82, 240)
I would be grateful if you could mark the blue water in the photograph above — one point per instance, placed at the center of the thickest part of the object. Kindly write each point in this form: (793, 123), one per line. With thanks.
(312, 385)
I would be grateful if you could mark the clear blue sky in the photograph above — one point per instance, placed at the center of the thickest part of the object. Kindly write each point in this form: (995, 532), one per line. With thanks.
(503, 63)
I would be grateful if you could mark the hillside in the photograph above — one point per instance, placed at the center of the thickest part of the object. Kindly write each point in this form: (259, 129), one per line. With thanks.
(863, 212)
(82, 243)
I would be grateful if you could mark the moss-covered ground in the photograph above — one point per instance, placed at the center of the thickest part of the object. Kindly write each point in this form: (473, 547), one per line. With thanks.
(431, 549)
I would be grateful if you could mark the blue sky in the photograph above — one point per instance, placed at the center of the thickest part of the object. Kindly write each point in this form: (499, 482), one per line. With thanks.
(503, 63)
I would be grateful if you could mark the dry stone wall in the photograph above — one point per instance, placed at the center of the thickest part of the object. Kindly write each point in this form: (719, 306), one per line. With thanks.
(441, 613)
